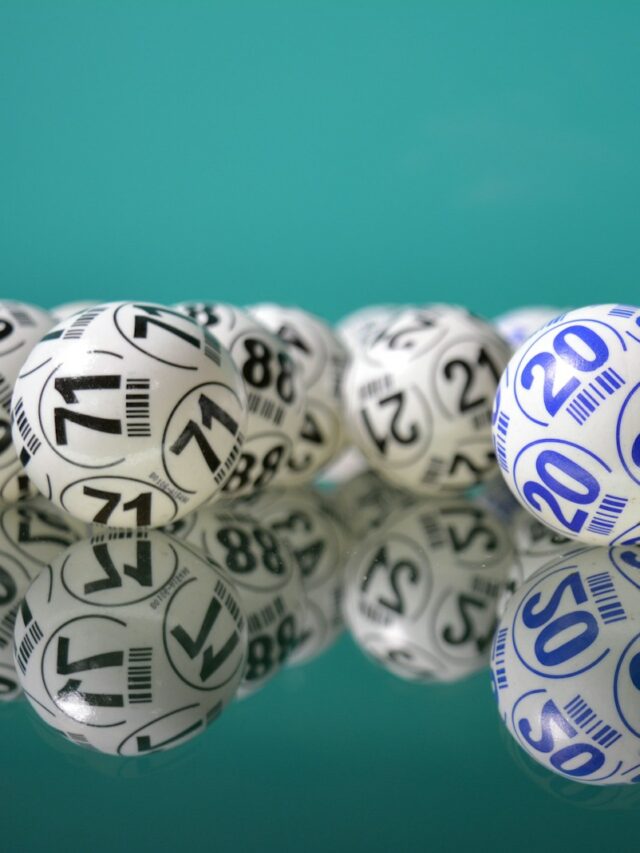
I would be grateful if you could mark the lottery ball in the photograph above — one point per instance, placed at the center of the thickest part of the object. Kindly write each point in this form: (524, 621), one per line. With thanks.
(275, 395)
(32, 534)
(309, 523)
(130, 642)
(496, 495)
(535, 545)
(347, 465)
(366, 502)
(356, 328)
(518, 325)
(68, 309)
(21, 327)
(418, 399)
(566, 424)
(267, 580)
(421, 591)
(566, 665)
(321, 359)
(128, 414)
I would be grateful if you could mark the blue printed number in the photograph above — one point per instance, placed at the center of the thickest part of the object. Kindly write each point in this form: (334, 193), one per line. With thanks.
(555, 398)
(593, 758)
(546, 647)
(546, 462)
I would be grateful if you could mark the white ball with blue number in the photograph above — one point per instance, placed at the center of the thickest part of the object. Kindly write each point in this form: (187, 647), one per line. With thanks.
(566, 424)
(418, 398)
(129, 414)
(321, 359)
(518, 325)
(566, 665)
(275, 394)
(130, 642)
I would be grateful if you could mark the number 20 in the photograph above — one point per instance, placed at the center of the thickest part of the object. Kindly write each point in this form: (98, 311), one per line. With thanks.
(554, 399)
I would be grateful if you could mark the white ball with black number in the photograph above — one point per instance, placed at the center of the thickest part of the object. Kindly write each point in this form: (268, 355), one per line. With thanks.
(566, 665)
(32, 534)
(566, 424)
(68, 309)
(130, 642)
(356, 328)
(309, 523)
(21, 327)
(518, 325)
(418, 399)
(275, 395)
(129, 414)
(422, 591)
(366, 502)
(268, 583)
(321, 358)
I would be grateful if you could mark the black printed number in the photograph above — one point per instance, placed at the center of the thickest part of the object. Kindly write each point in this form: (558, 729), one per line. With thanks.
(140, 504)
(395, 403)
(469, 371)
(399, 573)
(209, 412)
(67, 386)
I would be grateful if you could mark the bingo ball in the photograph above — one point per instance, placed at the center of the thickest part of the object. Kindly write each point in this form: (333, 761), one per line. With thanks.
(535, 545)
(309, 523)
(418, 399)
(518, 325)
(31, 535)
(566, 665)
(267, 580)
(21, 327)
(348, 464)
(366, 502)
(68, 309)
(275, 394)
(129, 414)
(421, 591)
(356, 328)
(130, 642)
(566, 424)
(321, 359)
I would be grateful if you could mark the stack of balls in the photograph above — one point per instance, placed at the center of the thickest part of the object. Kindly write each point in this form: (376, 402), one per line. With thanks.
(211, 422)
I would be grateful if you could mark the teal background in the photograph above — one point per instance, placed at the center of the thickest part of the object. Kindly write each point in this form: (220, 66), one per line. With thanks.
(329, 154)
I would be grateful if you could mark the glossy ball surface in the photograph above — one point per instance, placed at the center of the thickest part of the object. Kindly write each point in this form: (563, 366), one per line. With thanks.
(129, 414)
(275, 394)
(422, 590)
(130, 642)
(32, 534)
(566, 424)
(309, 523)
(68, 309)
(268, 583)
(418, 399)
(566, 665)
(321, 359)
(518, 325)
(356, 328)
(21, 327)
